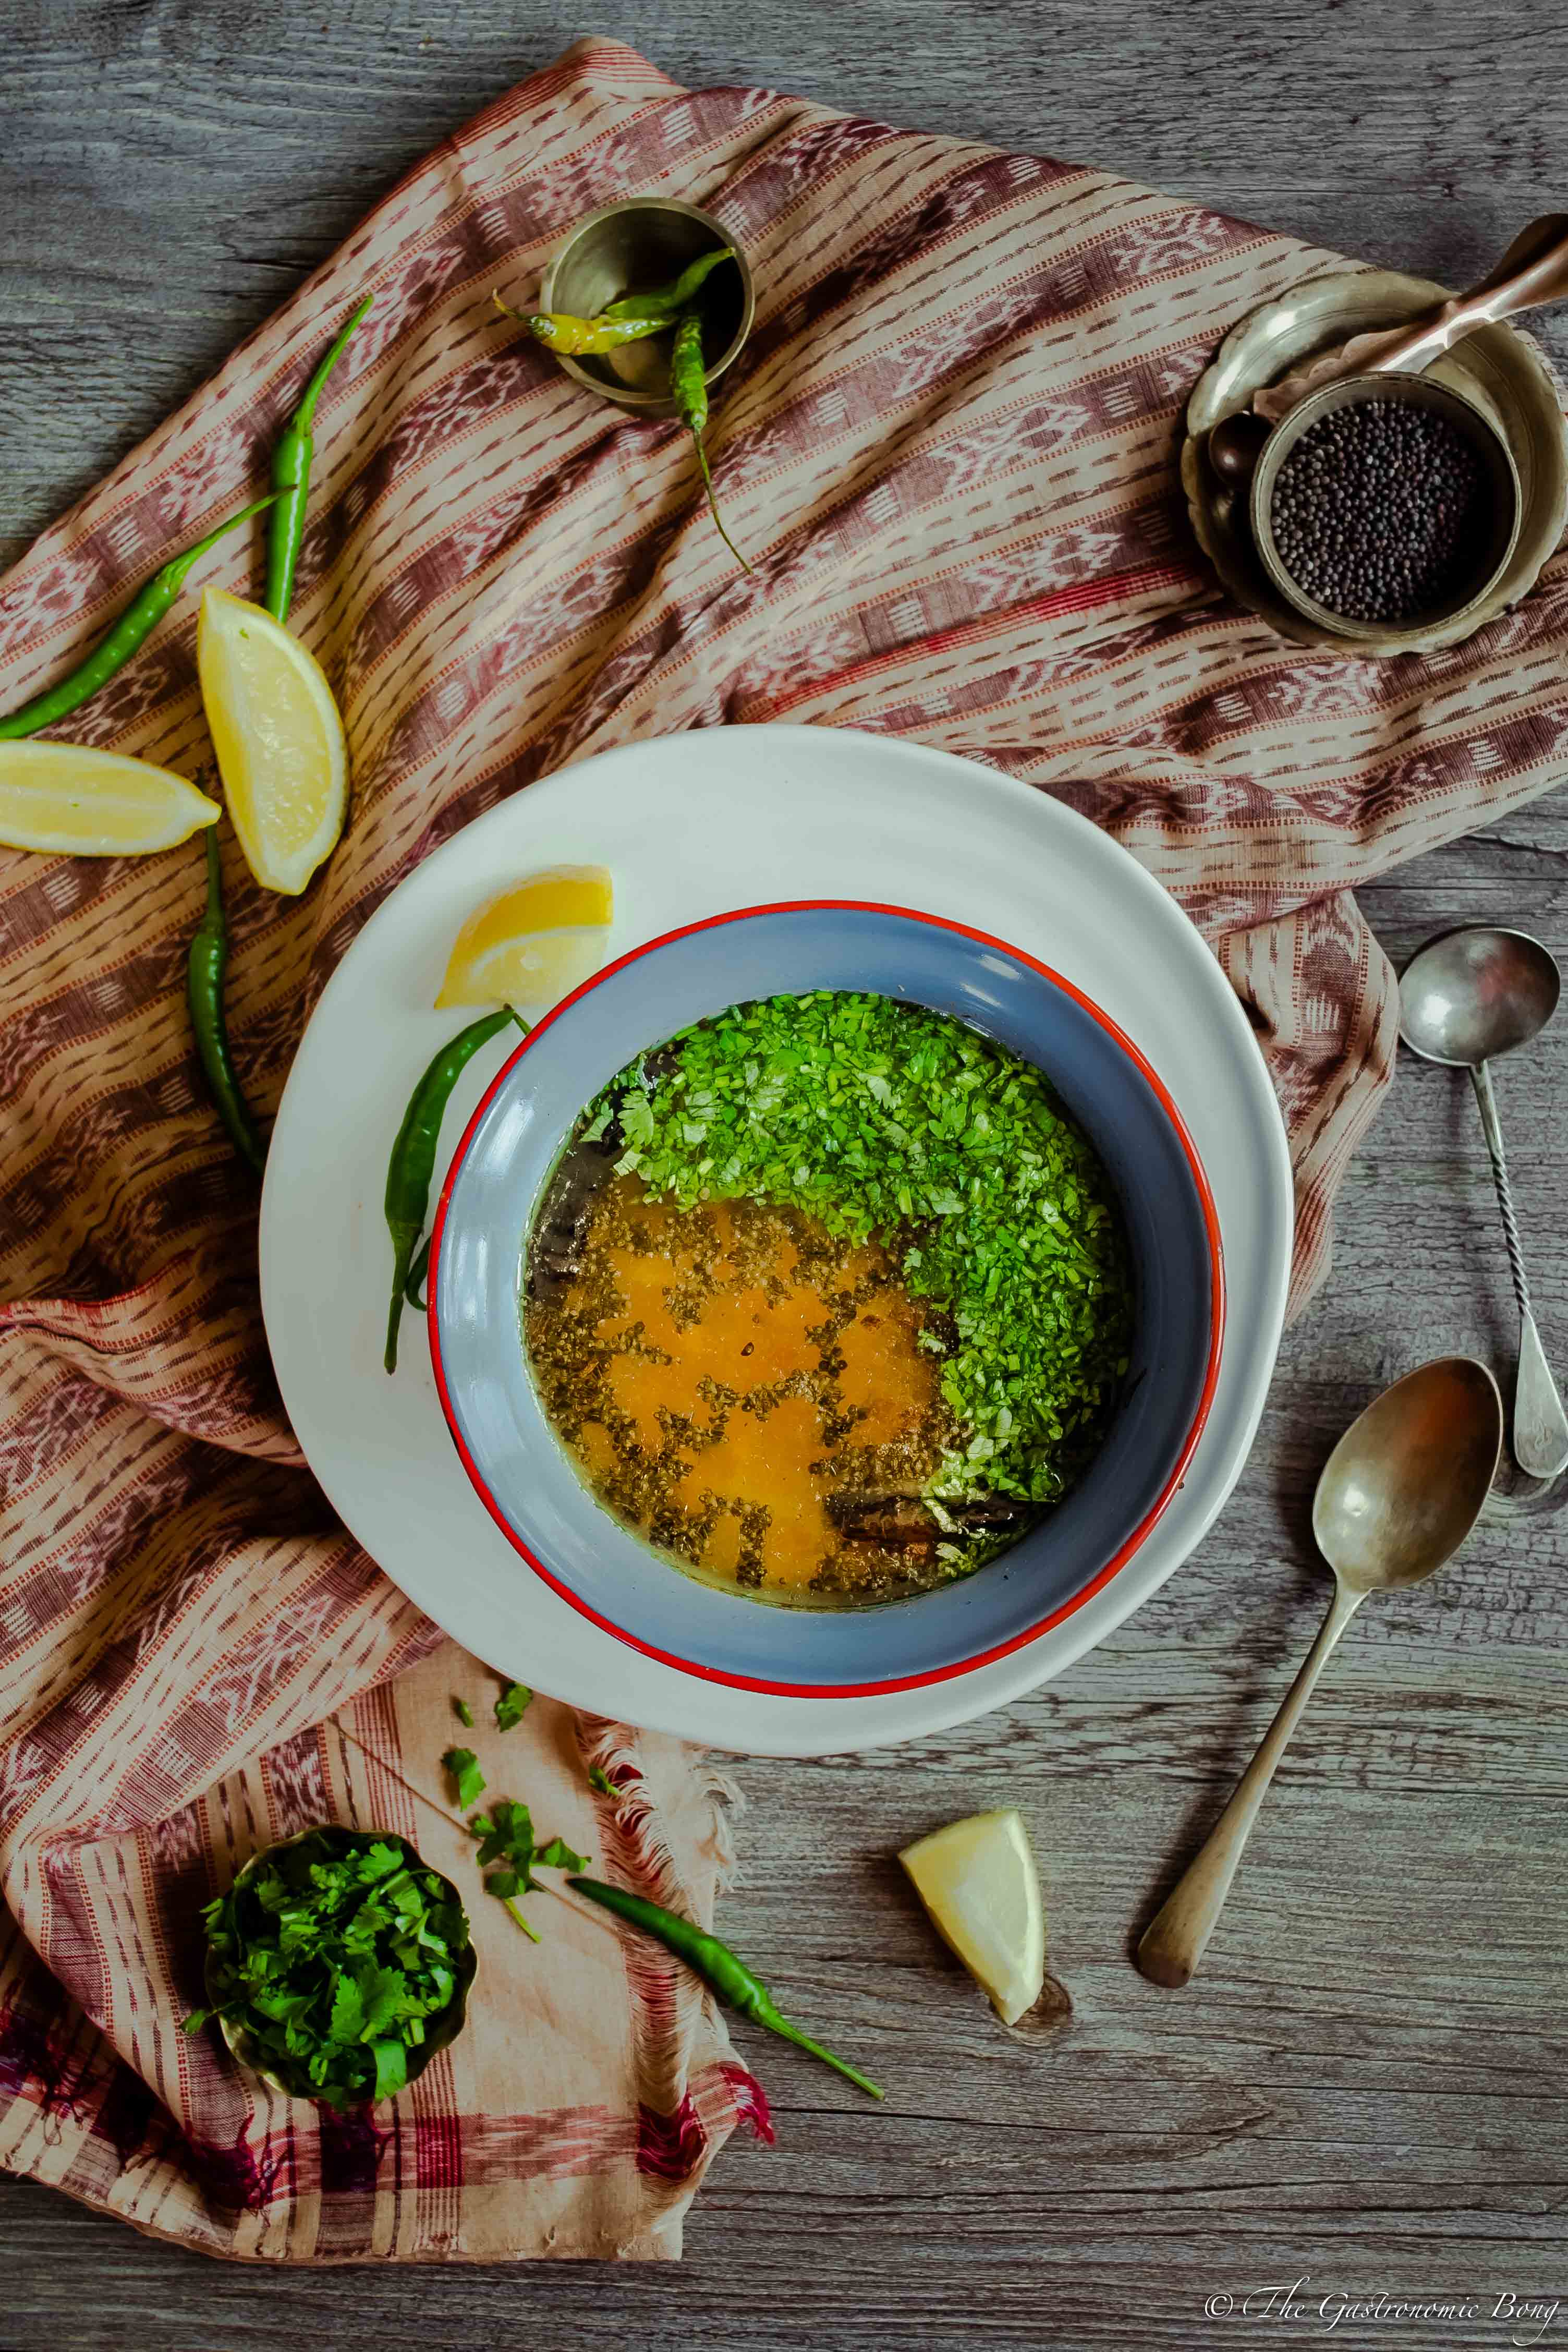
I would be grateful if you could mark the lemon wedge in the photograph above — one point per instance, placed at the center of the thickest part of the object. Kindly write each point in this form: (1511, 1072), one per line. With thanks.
(533, 943)
(278, 738)
(978, 1882)
(57, 796)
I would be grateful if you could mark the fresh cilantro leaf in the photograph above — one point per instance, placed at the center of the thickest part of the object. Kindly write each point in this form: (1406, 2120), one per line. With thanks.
(197, 2019)
(637, 1121)
(509, 1836)
(348, 2022)
(597, 1778)
(510, 1705)
(382, 1993)
(392, 2067)
(464, 1767)
(464, 1712)
(509, 1840)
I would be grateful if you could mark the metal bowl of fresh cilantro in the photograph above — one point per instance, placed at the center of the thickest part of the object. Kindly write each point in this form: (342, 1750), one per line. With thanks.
(338, 1964)
(818, 1046)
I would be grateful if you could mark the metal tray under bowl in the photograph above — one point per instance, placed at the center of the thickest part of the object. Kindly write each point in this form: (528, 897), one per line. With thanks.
(1503, 372)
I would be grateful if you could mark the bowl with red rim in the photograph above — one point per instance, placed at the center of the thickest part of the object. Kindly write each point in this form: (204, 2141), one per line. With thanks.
(528, 1484)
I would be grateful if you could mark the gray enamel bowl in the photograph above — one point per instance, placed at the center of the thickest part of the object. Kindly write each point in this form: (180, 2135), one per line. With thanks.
(529, 1484)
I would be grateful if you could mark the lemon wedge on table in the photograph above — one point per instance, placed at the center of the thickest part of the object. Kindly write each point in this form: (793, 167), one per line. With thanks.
(535, 942)
(279, 737)
(81, 803)
(977, 1880)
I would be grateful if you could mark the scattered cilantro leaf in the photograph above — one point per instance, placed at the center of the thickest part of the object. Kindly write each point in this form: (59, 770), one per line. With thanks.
(511, 1836)
(510, 1705)
(332, 1959)
(509, 1840)
(464, 1712)
(464, 1767)
(597, 1778)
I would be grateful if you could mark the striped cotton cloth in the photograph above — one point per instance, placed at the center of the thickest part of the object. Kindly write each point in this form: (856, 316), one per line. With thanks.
(949, 449)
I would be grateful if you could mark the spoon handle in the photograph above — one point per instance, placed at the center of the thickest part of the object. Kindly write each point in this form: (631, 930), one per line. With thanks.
(1492, 1129)
(1533, 270)
(1172, 1944)
(1540, 1423)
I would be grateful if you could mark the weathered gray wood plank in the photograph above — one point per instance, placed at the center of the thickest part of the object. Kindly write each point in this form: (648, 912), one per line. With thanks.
(1364, 2086)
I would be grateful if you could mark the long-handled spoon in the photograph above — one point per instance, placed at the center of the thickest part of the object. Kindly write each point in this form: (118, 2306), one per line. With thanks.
(1533, 270)
(1465, 998)
(1397, 1496)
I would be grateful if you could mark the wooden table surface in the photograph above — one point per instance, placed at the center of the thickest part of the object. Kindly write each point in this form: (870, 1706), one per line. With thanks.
(1364, 2088)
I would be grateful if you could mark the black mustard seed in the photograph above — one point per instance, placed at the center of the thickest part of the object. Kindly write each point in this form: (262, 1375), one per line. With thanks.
(1380, 511)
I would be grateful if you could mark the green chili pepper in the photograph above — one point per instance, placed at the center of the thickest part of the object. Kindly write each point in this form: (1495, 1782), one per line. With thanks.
(204, 987)
(717, 1965)
(291, 477)
(577, 337)
(135, 625)
(630, 320)
(413, 1288)
(412, 1162)
(206, 960)
(688, 389)
(672, 299)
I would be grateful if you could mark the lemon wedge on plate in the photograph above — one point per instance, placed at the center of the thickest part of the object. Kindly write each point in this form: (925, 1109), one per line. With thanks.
(978, 1882)
(534, 943)
(279, 737)
(80, 804)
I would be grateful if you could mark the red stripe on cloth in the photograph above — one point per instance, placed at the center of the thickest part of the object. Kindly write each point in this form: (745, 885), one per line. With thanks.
(1085, 596)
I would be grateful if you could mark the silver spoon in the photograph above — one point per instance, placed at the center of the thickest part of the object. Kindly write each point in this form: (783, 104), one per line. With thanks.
(1464, 998)
(1397, 1496)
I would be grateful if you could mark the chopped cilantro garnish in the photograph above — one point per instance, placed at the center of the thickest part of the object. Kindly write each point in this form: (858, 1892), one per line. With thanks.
(464, 1767)
(509, 1840)
(332, 1957)
(597, 1778)
(883, 1119)
(509, 1706)
(464, 1712)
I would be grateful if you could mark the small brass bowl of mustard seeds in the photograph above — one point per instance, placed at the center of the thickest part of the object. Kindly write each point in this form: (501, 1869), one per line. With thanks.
(1382, 506)
(631, 248)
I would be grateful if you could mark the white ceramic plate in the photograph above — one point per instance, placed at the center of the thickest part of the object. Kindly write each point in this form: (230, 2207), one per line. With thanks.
(693, 825)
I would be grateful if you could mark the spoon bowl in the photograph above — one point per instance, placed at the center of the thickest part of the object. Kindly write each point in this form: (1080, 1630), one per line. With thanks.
(1406, 1484)
(1236, 444)
(1475, 993)
(1466, 997)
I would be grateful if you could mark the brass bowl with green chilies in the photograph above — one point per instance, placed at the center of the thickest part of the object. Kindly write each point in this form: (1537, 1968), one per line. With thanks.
(631, 247)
